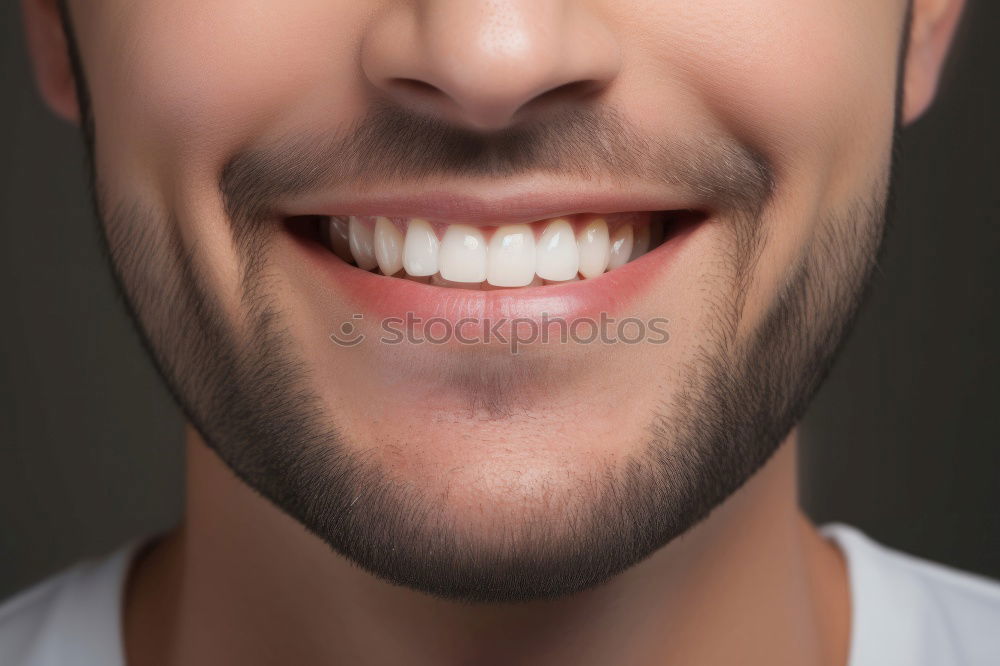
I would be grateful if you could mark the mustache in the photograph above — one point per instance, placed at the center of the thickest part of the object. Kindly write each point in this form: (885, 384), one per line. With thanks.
(391, 145)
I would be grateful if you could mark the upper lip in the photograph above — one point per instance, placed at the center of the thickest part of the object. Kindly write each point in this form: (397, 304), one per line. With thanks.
(525, 203)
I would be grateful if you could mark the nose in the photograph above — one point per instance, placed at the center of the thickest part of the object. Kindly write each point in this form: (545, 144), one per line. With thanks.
(487, 64)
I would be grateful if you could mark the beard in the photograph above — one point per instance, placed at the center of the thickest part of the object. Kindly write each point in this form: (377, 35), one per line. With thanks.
(247, 394)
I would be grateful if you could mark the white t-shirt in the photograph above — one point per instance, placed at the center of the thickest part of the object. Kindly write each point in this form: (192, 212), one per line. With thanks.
(906, 611)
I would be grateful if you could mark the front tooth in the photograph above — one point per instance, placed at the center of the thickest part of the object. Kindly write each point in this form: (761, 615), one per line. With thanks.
(420, 250)
(463, 254)
(641, 245)
(362, 241)
(595, 248)
(621, 246)
(388, 246)
(557, 257)
(511, 257)
(339, 238)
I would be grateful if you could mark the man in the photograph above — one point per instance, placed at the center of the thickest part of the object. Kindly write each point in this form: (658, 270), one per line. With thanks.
(492, 321)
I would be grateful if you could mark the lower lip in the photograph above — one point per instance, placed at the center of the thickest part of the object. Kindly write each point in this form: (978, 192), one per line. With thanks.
(389, 297)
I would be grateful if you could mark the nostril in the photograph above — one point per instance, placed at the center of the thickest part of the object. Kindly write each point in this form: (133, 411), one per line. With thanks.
(575, 91)
(417, 87)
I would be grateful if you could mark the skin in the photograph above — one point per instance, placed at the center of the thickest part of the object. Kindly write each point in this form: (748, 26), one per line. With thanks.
(176, 87)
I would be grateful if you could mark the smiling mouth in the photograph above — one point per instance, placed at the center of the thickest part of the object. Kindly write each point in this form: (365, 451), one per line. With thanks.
(547, 252)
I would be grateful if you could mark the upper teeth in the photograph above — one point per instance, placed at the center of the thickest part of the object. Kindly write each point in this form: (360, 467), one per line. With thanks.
(622, 244)
(420, 249)
(362, 242)
(512, 257)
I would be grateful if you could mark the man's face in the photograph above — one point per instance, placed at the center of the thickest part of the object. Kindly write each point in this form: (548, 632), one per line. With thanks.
(750, 140)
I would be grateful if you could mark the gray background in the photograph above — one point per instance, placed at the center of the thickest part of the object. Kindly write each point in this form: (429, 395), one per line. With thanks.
(903, 440)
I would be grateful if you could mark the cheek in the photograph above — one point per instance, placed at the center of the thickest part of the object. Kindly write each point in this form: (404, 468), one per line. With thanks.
(189, 80)
(794, 78)
(811, 85)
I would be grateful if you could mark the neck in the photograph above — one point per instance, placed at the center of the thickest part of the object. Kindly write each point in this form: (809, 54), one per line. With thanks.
(241, 582)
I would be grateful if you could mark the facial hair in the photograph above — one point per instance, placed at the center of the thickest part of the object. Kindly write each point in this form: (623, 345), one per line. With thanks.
(247, 393)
